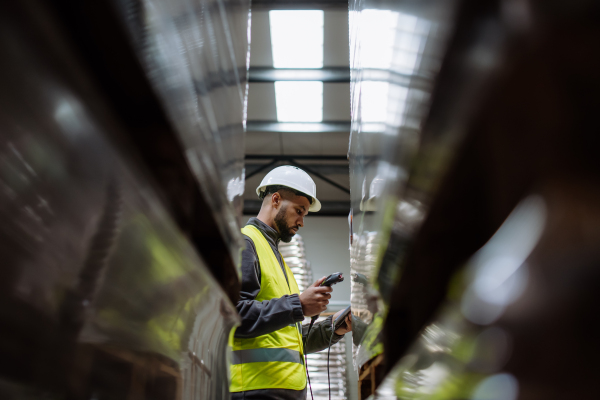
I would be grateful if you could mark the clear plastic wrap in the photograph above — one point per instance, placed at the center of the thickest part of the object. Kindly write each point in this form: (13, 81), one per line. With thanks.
(196, 54)
(395, 54)
(102, 295)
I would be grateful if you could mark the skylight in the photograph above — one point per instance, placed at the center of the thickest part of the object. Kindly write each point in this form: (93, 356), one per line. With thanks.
(297, 38)
(297, 42)
(299, 101)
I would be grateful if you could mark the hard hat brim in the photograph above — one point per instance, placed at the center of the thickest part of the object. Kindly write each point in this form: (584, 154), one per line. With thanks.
(315, 206)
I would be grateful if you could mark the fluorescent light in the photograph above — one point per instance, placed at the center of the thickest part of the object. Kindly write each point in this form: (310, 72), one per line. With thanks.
(297, 42)
(297, 38)
(299, 101)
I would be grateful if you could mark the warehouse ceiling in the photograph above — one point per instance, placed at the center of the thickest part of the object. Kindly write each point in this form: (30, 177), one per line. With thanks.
(320, 147)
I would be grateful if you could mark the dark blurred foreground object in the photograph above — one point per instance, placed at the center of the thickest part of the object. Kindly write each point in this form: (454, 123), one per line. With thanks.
(118, 274)
(511, 323)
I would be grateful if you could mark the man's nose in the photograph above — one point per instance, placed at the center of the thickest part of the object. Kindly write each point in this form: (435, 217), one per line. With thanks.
(300, 222)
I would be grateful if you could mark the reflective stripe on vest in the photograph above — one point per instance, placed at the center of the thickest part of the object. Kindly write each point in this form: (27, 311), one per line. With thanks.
(266, 355)
(274, 360)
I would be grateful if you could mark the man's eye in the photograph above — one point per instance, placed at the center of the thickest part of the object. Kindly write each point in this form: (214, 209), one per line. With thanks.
(299, 212)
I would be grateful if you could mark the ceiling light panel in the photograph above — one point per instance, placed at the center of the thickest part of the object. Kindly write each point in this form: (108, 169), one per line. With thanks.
(299, 101)
(297, 38)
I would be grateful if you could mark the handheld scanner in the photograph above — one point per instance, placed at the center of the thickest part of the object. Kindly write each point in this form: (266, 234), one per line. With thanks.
(333, 279)
(329, 281)
(341, 319)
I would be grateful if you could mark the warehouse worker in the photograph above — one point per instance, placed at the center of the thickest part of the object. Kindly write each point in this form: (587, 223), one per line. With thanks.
(268, 346)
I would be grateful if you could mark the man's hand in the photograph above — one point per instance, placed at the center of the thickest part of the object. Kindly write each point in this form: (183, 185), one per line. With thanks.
(315, 298)
(342, 330)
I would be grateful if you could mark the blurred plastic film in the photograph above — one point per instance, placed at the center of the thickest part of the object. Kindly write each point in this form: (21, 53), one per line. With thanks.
(104, 294)
(463, 352)
(395, 53)
(474, 217)
(196, 55)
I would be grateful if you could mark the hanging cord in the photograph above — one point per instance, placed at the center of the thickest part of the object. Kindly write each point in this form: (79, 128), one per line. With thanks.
(329, 281)
(329, 351)
(308, 375)
(312, 321)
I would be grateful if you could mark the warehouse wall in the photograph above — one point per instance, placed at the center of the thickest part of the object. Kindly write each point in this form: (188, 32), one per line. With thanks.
(326, 241)
(326, 246)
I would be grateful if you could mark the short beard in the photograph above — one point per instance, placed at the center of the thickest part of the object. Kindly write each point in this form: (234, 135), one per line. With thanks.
(285, 232)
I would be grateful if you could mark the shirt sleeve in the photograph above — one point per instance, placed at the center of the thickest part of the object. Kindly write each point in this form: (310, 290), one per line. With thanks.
(319, 337)
(262, 317)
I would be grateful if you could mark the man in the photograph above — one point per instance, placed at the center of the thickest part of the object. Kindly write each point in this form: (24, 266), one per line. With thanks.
(268, 347)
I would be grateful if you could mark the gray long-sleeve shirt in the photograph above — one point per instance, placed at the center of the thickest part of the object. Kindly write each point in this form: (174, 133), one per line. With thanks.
(260, 318)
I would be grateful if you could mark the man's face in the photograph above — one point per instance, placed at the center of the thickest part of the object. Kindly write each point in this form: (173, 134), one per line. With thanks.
(290, 216)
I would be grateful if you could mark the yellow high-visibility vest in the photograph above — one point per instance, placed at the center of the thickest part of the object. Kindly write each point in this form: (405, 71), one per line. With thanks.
(274, 360)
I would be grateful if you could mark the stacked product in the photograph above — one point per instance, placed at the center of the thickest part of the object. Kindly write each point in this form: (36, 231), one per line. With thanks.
(295, 258)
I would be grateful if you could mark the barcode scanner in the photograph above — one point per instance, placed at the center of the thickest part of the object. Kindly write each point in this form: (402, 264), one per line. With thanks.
(332, 279)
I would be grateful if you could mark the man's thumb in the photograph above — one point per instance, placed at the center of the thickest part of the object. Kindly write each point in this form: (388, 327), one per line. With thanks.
(319, 281)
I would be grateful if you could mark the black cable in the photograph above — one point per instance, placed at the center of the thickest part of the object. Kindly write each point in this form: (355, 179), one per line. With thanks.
(312, 321)
(329, 351)
(308, 375)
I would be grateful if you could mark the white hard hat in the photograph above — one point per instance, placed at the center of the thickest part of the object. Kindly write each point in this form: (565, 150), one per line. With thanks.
(294, 178)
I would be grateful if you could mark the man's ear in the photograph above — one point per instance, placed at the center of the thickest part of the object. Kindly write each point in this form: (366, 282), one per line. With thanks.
(275, 200)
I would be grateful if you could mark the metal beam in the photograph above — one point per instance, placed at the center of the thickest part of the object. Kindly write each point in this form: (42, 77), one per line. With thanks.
(298, 127)
(334, 75)
(325, 169)
(261, 168)
(262, 5)
(328, 208)
(281, 157)
(320, 176)
(292, 160)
